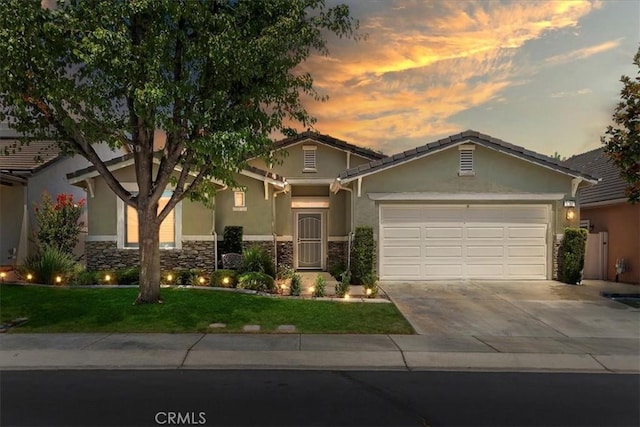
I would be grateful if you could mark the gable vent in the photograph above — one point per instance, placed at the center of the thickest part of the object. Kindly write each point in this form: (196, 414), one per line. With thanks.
(309, 158)
(466, 160)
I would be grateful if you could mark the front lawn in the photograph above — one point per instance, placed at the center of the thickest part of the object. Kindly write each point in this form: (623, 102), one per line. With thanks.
(52, 309)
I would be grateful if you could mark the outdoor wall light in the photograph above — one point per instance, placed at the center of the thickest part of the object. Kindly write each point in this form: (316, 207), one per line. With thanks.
(571, 214)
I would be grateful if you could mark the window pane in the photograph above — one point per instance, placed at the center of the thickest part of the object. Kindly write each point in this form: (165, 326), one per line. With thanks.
(167, 228)
(238, 199)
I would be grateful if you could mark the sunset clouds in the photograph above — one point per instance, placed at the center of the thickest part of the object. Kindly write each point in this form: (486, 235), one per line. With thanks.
(424, 62)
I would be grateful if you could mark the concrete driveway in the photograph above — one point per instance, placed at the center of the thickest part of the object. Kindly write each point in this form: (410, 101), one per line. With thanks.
(534, 309)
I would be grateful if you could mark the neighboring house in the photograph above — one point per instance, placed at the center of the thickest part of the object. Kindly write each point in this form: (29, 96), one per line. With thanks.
(613, 222)
(464, 207)
(24, 175)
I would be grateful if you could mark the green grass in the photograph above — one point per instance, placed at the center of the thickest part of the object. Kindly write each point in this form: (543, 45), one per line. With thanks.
(51, 309)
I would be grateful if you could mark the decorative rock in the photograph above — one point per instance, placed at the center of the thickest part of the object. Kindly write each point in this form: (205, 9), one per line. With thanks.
(218, 325)
(251, 328)
(286, 328)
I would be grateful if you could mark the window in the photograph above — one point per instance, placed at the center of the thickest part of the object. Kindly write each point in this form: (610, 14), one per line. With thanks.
(239, 201)
(170, 229)
(466, 160)
(309, 158)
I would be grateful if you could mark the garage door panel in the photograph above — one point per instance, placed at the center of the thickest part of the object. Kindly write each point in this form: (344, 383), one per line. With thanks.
(526, 251)
(462, 241)
(401, 233)
(402, 271)
(476, 232)
(443, 251)
(401, 251)
(526, 232)
(443, 232)
(485, 251)
(442, 270)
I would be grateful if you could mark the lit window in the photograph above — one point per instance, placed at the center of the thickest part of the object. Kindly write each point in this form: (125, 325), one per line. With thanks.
(309, 158)
(239, 200)
(466, 160)
(167, 228)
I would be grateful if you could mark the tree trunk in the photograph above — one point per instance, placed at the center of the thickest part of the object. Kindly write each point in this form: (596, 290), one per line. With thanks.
(149, 240)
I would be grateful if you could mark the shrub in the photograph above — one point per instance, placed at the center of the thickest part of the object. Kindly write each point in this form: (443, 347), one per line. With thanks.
(285, 272)
(257, 259)
(127, 276)
(296, 285)
(370, 285)
(256, 281)
(336, 270)
(319, 286)
(233, 239)
(362, 254)
(82, 277)
(218, 279)
(571, 255)
(342, 287)
(48, 264)
(184, 277)
(58, 223)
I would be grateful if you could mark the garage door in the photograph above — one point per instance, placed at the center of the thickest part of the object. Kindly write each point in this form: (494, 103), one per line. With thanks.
(432, 242)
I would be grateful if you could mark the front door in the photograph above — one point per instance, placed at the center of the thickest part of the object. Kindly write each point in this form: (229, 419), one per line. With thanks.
(309, 232)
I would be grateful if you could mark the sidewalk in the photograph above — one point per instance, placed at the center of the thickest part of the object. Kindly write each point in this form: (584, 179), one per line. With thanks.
(323, 352)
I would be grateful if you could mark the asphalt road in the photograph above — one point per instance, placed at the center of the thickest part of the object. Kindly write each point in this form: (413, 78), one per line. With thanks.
(319, 398)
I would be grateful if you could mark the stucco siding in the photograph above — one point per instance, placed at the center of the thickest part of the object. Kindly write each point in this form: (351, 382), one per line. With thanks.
(102, 218)
(256, 219)
(622, 222)
(337, 219)
(197, 219)
(12, 205)
(330, 161)
(283, 215)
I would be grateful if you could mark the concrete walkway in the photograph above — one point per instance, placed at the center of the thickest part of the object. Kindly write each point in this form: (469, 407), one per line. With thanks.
(333, 352)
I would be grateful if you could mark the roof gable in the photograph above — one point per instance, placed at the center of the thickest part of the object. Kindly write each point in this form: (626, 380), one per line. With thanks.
(597, 163)
(458, 139)
(26, 159)
(330, 141)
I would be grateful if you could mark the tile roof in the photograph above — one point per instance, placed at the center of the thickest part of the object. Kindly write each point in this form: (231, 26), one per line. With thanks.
(471, 136)
(328, 140)
(126, 157)
(26, 159)
(597, 163)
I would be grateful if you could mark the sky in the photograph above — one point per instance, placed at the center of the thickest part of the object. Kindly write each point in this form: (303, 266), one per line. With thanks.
(543, 74)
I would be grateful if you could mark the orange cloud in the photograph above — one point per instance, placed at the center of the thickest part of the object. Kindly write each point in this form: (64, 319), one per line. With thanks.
(424, 62)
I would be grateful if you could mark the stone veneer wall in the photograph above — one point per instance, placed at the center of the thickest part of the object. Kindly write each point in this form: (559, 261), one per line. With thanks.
(285, 254)
(107, 256)
(337, 254)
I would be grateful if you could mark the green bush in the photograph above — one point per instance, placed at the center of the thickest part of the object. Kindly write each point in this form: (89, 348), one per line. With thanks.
(362, 254)
(218, 279)
(84, 277)
(285, 272)
(257, 259)
(233, 239)
(571, 255)
(296, 285)
(370, 285)
(127, 276)
(48, 264)
(342, 287)
(319, 287)
(336, 270)
(256, 281)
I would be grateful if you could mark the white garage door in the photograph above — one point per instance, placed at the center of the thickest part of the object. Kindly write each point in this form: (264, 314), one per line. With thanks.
(420, 242)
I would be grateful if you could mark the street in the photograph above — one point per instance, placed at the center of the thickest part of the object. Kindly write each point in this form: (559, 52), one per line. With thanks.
(320, 398)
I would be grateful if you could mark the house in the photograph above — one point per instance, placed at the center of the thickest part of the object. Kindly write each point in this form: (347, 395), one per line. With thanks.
(613, 222)
(26, 173)
(467, 206)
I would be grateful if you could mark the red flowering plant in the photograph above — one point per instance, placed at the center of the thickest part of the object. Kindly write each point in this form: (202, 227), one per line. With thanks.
(59, 223)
